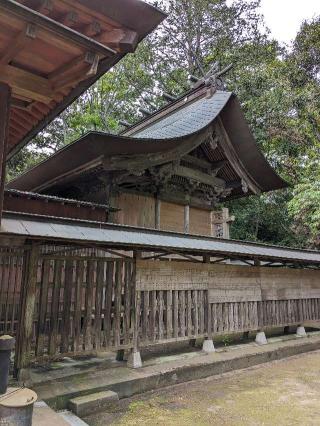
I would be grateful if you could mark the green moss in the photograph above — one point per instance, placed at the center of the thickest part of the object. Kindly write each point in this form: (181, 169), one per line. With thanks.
(280, 393)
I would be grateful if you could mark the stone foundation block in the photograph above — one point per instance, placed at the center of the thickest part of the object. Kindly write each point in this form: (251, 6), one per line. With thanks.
(261, 338)
(301, 332)
(84, 405)
(208, 346)
(134, 360)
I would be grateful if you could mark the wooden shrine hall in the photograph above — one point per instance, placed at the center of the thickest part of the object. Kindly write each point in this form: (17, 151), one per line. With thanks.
(174, 167)
(110, 243)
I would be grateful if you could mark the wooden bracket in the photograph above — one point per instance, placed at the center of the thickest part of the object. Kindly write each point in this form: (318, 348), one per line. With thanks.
(21, 41)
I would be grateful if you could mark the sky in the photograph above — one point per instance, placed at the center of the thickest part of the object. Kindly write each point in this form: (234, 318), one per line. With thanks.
(284, 17)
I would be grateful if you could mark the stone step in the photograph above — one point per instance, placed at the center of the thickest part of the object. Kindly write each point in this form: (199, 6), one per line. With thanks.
(83, 405)
(43, 415)
(71, 418)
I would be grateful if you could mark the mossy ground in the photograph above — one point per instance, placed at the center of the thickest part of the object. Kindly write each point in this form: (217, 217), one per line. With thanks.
(284, 392)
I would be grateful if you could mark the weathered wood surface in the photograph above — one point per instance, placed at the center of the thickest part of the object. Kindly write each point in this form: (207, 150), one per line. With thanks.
(5, 97)
(153, 275)
(205, 299)
(73, 304)
(286, 284)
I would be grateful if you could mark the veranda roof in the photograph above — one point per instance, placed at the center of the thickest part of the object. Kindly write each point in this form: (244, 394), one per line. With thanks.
(131, 238)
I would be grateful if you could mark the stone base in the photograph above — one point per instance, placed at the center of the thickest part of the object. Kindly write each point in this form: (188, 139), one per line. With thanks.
(95, 402)
(301, 332)
(261, 338)
(134, 360)
(208, 346)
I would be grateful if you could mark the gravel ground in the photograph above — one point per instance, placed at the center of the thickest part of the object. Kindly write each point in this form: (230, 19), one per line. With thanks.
(285, 392)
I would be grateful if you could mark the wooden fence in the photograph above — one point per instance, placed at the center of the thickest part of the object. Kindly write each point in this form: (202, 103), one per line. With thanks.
(68, 302)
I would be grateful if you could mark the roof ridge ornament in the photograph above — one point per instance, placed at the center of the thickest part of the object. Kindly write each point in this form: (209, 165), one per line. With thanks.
(212, 79)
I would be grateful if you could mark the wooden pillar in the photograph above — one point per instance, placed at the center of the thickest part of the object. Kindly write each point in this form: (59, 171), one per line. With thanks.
(186, 219)
(158, 214)
(5, 96)
(27, 305)
(134, 359)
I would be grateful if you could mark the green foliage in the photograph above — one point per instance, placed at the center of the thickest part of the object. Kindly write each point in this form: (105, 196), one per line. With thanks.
(305, 209)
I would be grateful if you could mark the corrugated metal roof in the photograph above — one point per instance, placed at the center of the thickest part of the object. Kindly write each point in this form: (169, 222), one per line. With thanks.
(45, 197)
(187, 119)
(130, 238)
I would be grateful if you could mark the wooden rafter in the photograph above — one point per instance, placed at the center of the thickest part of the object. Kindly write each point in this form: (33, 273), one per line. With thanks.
(21, 42)
(63, 36)
(120, 39)
(198, 176)
(18, 103)
(233, 158)
(26, 84)
(78, 69)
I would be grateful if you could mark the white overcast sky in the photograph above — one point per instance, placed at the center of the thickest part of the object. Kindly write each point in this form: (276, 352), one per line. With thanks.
(284, 17)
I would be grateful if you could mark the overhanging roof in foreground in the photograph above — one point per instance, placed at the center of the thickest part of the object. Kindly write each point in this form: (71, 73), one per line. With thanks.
(52, 51)
(131, 238)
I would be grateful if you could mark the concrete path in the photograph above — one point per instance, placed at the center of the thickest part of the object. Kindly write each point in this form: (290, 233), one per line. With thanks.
(45, 416)
(168, 370)
(285, 392)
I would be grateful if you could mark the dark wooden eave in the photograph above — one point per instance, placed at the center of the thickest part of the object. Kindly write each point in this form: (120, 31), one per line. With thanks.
(51, 51)
(46, 205)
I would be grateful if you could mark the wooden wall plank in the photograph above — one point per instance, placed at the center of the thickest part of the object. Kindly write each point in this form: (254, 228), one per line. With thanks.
(78, 305)
(41, 332)
(66, 312)
(55, 303)
(98, 303)
(89, 298)
(108, 304)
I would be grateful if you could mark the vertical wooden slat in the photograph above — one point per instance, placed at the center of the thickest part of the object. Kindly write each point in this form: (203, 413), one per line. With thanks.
(183, 313)
(209, 317)
(152, 319)
(41, 333)
(55, 300)
(4, 284)
(98, 303)
(189, 313)
(16, 289)
(201, 312)
(175, 314)
(127, 303)
(117, 302)
(195, 313)
(145, 326)
(214, 317)
(136, 303)
(160, 316)
(108, 303)
(67, 299)
(27, 303)
(78, 304)
(87, 326)
(169, 314)
(7, 300)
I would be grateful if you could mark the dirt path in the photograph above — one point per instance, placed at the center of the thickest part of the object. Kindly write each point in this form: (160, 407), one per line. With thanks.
(284, 392)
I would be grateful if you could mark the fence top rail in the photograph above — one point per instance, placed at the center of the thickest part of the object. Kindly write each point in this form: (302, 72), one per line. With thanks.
(97, 234)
